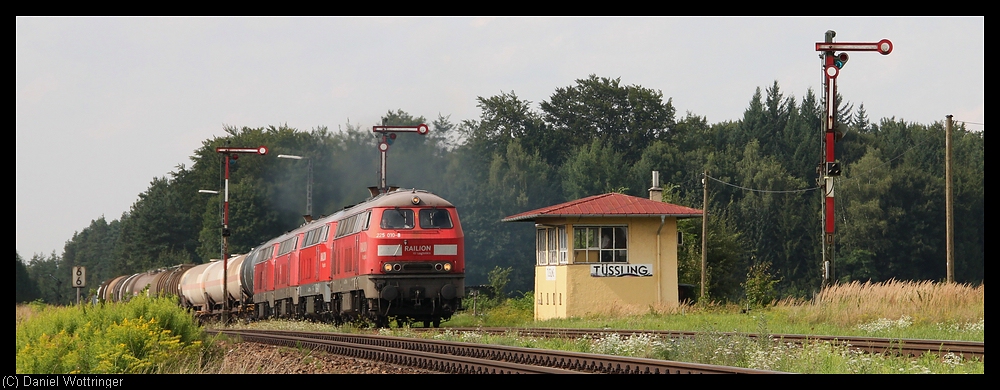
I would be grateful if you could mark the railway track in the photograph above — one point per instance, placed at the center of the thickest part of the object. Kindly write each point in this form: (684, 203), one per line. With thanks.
(911, 347)
(460, 357)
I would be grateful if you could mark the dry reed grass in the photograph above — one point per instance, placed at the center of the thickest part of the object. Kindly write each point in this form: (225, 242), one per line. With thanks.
(22, 313)
(925, 302)
(618, 309)
(249, 358)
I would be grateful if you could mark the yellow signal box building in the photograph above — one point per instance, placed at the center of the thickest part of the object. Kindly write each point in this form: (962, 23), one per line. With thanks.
(604, 252)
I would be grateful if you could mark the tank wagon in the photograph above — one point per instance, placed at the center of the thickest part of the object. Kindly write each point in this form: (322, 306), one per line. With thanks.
(159, 282)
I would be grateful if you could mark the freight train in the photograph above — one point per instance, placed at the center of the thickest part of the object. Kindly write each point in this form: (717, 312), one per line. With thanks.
(400, 255)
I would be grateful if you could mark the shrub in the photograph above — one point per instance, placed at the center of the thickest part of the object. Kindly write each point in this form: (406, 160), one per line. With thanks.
(760, 284)
(499, 277)
(140, 336)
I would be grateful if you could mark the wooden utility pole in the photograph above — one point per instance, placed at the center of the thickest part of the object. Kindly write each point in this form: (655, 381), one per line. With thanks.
(704, 232)
(948, 199)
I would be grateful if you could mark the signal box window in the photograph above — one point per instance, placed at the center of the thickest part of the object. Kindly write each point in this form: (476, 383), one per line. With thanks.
(550, 245)
(600, 244)
(397, 219)
(435, 219)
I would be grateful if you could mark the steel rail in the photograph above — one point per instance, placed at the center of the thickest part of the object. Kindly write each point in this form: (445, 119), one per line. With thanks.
(899, 346)
(405, 357)
(563, 361)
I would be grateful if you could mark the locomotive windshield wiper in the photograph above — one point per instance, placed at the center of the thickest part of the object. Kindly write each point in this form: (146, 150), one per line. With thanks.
(406, 225)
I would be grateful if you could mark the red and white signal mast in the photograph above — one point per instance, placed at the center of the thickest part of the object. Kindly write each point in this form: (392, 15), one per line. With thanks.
(832, 63)
(229, 154)
(388, 137)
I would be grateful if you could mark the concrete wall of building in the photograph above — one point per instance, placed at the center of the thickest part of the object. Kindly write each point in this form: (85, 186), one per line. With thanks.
(550, 292)
(570, 291)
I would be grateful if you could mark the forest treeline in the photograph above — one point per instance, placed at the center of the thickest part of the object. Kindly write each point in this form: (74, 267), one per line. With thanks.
(592, 137)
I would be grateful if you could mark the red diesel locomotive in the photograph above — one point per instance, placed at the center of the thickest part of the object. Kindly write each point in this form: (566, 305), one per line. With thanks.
(399, 255)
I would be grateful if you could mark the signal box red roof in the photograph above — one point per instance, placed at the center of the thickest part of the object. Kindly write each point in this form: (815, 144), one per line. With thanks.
(608, 205)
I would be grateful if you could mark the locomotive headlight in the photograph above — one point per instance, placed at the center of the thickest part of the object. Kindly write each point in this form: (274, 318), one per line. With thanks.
(447, 267)
(387, 267)
(415, 199)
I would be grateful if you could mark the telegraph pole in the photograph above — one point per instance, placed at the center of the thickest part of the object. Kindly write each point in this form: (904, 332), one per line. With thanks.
(832, 63)
(949, 204)
(704, 232)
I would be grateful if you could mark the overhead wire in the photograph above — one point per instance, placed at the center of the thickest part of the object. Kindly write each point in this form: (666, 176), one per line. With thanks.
(764, 191)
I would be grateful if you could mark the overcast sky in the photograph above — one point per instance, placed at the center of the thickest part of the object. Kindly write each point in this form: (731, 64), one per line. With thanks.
(104, 105)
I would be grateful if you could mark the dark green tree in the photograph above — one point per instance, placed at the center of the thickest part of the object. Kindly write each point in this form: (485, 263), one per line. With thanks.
(969, 173)
(859, 121)
(516, 181)
(867, 214)
(401, 118)
(52, 281)
(94, 248)
(774, 221)
(506, 117)
(765, 121)
(727, 258)
(25, 289)
(595, 169)
(803, 138)
(666, 158)
(627, 118)
(445, 133)
(159, 230)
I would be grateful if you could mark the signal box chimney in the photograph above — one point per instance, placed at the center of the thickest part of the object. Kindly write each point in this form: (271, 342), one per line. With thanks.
(656, 193)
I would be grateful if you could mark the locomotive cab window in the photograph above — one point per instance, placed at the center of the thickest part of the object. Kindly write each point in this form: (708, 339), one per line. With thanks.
(435, 219)
(397, 219)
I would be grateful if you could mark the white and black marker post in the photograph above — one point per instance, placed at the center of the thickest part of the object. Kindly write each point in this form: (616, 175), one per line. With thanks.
(79, 280)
